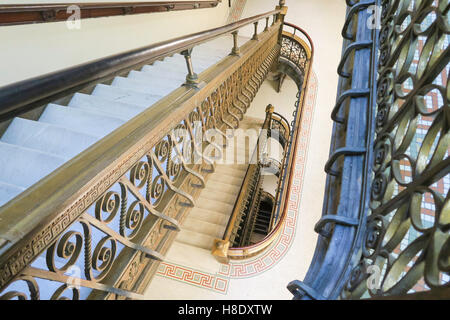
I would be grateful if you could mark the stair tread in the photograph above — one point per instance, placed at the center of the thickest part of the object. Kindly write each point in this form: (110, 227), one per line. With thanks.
(215, 186)
(8, 192)
(204, 227)
(23, 166)
(221, 198)
(87, 121)
(47, 138)
(224, 208)
(142, 86)
(195, 239)
(230, 171)
(175, 80)
(126, 95)
(209, 216)
(237, 181)
(120, 110)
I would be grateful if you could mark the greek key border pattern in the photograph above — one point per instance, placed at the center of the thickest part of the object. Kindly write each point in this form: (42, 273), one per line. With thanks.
(204, 280)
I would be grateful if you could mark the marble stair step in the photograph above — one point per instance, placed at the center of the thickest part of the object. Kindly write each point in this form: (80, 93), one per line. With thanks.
(161, 88)
(209, 216)
(218, 177)
(120, 110)
(24, 167)
(219, 196)
(127, 96)
(48, 138)
(195, 239)
(8, 191)
(204, 227)
(207, 204)
(214, 186)
(86, 121)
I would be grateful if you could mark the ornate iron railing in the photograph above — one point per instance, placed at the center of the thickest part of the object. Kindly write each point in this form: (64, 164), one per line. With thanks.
(384, 230)
(296, 54)
(295, 45)
(97, 227)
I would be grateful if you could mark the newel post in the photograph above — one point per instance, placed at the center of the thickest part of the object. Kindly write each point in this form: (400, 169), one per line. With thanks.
(269, 111)
(220, 250)
(280, 17)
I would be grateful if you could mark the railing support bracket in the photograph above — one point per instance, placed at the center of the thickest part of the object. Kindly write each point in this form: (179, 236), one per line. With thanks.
(332, 218)
(192, 77)
(299, 289)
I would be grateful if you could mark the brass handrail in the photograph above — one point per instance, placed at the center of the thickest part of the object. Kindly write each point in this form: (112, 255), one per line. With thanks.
(282, 196)
(222, 249)
(274, 217)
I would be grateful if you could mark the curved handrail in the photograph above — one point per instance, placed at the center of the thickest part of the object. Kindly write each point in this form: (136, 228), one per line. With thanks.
(282, 120)
(304, 33)
(26, 95)
(282, 198)
(297, 119)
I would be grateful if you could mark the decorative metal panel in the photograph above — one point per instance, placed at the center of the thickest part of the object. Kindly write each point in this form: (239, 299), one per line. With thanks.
(406, 247)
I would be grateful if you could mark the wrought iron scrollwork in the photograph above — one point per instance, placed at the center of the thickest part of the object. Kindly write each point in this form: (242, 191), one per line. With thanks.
(117, 234)
(407, 236)
(390, 236)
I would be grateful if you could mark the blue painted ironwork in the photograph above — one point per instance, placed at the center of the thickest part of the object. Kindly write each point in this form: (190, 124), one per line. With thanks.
(340, 237)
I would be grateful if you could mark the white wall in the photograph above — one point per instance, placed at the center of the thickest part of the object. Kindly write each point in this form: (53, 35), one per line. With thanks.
(323, 20)
(36, 49)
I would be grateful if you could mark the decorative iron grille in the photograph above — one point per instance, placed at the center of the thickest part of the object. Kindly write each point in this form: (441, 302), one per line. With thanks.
(406, 247)
(385, 225)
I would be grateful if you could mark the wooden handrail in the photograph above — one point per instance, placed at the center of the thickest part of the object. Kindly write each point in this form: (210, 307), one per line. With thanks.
(302, 31)
(283, 190)
(17, 14)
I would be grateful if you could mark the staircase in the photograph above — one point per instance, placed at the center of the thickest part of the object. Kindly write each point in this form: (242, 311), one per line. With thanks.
(32, 149)
(69, 170)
